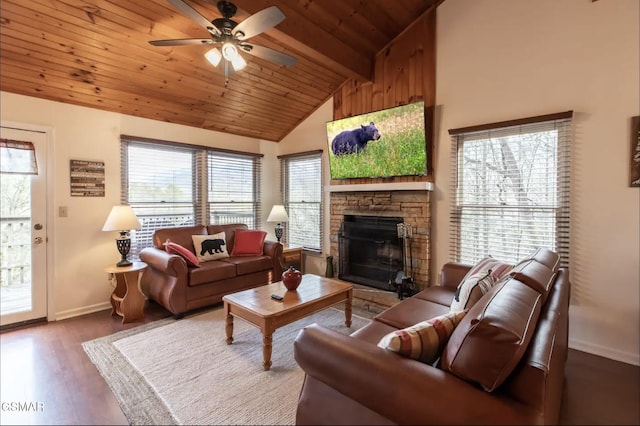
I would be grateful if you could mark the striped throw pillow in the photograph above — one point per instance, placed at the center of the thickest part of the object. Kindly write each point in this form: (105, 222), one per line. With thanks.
(425, 340)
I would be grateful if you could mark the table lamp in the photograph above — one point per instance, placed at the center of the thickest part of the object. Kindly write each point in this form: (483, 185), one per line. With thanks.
(122, 219)
(278, 214)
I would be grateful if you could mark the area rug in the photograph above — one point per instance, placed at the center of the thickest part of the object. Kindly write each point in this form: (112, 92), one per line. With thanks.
(183, 372)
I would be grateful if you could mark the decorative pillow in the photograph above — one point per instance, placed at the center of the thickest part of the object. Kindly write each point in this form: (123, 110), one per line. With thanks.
(185, 253)
(248, 243)
(210, 247)
(425, 340)
(477, 282)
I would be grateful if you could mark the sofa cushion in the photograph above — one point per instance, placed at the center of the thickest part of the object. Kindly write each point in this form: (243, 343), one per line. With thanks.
(179, 235)
(491, 339)
(538, 270)
(425, 340)
(248, 243)
(210, 247)
(547, 257)
(211, 271)
(373, 332)
(436, 294)
(186, 254)
(249, 264)
(411, 311)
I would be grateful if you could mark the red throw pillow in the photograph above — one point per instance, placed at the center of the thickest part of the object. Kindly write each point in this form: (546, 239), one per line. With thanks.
(174, 248)
(248, 243)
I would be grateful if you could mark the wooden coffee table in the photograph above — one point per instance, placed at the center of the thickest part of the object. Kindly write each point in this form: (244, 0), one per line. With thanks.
(258, 308)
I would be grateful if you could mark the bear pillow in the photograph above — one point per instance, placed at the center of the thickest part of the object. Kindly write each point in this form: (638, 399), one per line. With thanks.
(478, 281)
(210, 247)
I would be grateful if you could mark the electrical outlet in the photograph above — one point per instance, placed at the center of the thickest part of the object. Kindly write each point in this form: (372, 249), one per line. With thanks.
(63, 211)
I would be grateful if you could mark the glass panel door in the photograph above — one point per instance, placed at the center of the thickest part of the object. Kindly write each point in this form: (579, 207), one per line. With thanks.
(23, 236)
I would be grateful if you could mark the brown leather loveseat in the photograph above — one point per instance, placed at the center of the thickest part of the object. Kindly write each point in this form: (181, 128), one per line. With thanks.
(503, 363)
(171, 282)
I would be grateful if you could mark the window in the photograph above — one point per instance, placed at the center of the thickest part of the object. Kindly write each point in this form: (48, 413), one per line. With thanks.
(511, 189)
(233, 189)
(301, 178)
(169, 184)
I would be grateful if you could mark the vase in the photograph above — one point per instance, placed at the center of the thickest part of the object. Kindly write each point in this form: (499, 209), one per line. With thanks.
(291, 278)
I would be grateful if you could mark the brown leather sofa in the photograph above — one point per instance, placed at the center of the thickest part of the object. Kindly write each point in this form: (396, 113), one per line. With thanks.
(180, 288)
(503, 364)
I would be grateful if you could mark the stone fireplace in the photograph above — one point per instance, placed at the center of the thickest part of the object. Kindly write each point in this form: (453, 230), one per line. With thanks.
(369, 250)
(408, 206)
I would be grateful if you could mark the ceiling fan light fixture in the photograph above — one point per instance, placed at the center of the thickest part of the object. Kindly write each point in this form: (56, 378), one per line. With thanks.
(214, 56)
(238, 63)
(229, 51)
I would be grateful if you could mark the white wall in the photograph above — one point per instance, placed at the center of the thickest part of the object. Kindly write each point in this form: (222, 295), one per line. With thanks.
(496, 60)
(311, 135)
(80, 247)
(502, 59)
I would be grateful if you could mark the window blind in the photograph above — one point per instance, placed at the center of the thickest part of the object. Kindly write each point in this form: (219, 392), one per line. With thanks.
(301, 179)
(234, 192)
(510, 189)
(171, 184)
(159, 184)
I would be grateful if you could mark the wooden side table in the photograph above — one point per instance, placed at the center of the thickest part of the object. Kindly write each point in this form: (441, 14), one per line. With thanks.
(292, 256)
(127, 300)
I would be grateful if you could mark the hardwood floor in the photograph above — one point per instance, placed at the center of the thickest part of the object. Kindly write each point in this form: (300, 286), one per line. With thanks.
(46, 365)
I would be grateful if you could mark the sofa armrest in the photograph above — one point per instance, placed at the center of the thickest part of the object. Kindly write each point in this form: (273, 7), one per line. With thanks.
(398, 388)
(452, 274)
(168, 263)
(165, 279)
(273, 249)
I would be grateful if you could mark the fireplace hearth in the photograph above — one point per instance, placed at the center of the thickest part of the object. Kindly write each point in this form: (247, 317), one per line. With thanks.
(370, 252)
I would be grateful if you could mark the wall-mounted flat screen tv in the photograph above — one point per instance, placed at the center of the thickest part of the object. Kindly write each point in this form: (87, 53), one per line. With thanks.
(384, 143)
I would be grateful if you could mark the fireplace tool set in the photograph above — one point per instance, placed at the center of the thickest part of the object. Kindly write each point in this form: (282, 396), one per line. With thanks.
(404, 281)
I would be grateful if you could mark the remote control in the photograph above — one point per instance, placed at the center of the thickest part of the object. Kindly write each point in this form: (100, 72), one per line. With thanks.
(276, 297)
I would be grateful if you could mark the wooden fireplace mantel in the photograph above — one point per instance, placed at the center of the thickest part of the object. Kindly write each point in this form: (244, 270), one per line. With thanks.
(394, 186)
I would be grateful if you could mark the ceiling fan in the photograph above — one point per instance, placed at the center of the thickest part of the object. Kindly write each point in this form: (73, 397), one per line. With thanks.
(231, 36)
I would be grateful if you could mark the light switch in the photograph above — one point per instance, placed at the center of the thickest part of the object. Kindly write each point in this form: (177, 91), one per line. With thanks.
(63, 211)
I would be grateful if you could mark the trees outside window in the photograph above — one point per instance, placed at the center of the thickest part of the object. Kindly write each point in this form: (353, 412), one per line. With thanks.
(511, 189)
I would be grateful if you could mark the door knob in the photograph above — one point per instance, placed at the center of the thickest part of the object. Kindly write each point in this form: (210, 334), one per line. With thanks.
(37, 226)
(38, 240)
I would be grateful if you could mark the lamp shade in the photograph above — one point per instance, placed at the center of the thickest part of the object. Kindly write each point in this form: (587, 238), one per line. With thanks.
(121, 218)
(278, 214)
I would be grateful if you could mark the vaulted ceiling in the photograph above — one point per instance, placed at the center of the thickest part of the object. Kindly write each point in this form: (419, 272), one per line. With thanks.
(95, 53)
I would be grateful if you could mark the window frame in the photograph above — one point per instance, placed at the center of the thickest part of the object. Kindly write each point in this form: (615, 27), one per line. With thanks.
(200, 203)
(558, 210)
(285, 183)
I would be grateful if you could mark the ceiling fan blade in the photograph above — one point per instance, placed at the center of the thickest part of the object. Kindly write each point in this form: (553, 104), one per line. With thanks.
(271, 55)
(181, 42)
(193, 14)
(258, 23)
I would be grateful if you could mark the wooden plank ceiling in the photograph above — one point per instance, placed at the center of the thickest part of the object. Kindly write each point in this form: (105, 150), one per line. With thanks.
(95, 53)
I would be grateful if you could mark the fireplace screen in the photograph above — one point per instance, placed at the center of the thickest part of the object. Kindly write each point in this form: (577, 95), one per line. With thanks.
(370, 252)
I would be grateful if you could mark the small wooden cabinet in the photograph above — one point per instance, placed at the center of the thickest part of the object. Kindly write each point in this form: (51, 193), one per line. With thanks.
(292, 255)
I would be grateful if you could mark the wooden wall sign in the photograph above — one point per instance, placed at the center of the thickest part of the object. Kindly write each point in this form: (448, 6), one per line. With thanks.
(87, 178)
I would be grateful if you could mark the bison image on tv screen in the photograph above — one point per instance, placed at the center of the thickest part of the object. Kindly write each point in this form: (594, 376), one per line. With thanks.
(384, 143)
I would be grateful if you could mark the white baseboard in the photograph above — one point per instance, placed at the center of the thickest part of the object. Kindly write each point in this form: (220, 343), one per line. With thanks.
(82, 311)
(605, 351)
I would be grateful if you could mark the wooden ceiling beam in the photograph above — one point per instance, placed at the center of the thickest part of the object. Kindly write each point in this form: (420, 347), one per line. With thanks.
(304, 36)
